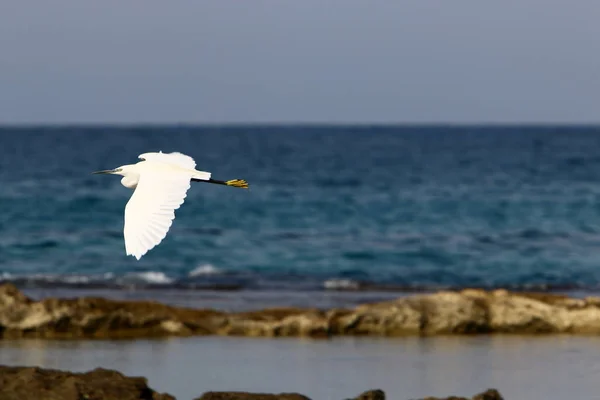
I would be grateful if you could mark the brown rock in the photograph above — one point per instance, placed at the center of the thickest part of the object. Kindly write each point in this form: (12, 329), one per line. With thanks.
(98, 318)
(25, 383)
(490, 394)
(250, 396)
(470, 311)
(371, 395)
(277, 322)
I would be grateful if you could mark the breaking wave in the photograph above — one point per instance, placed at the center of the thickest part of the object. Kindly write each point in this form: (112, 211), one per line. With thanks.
(205, 269)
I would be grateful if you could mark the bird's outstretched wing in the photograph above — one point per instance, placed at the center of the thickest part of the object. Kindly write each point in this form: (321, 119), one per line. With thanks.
(151, 209)
(176, 158)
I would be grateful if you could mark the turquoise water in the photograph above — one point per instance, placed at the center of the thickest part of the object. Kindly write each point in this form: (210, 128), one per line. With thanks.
(407, 208)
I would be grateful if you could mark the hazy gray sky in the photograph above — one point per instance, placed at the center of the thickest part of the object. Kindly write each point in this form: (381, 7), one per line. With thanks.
(299, 61)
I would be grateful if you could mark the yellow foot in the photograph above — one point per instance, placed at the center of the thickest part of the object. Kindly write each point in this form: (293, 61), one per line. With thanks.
(240, 183)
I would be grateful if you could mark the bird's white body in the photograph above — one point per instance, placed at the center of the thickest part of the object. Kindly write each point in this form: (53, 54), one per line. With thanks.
(173, 163)
(160, 182)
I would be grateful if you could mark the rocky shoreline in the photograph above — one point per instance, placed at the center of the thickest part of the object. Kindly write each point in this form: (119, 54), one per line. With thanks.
(32, 383)
(470, 311)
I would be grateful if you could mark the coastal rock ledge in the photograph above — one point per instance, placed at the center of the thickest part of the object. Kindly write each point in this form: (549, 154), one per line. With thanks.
(33, 383)
(470, 311)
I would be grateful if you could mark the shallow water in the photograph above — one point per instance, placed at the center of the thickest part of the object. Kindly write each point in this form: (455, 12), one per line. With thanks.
(230, 301)
(522, 368)
(244, 300)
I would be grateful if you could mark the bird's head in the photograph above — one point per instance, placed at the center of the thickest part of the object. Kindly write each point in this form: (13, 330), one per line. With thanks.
(122, 170)
(128, 172)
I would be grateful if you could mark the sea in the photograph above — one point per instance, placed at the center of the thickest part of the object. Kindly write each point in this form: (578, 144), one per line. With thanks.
(335, 216)
(386, 209)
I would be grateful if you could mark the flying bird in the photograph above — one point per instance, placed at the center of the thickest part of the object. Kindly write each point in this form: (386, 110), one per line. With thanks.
(160, 182)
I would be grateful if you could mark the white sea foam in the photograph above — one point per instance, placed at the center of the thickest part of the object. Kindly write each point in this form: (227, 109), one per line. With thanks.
(64, 278)
(155, 277)
(6, 276)
(205, 269)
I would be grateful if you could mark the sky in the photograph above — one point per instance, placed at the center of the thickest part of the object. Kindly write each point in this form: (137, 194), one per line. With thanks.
(311, 61)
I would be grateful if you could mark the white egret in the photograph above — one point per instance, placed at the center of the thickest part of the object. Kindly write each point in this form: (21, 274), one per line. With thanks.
(160, 182)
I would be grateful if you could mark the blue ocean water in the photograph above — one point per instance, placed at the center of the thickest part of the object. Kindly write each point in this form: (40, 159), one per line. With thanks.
(406, 208)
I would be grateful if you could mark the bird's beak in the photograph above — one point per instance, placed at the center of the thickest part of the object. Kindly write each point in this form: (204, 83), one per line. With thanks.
(106, 171)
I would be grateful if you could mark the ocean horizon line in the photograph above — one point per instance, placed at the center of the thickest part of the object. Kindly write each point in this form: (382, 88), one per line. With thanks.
(301, 124)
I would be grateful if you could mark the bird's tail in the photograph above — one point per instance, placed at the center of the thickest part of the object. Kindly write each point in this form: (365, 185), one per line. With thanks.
(239, 183)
